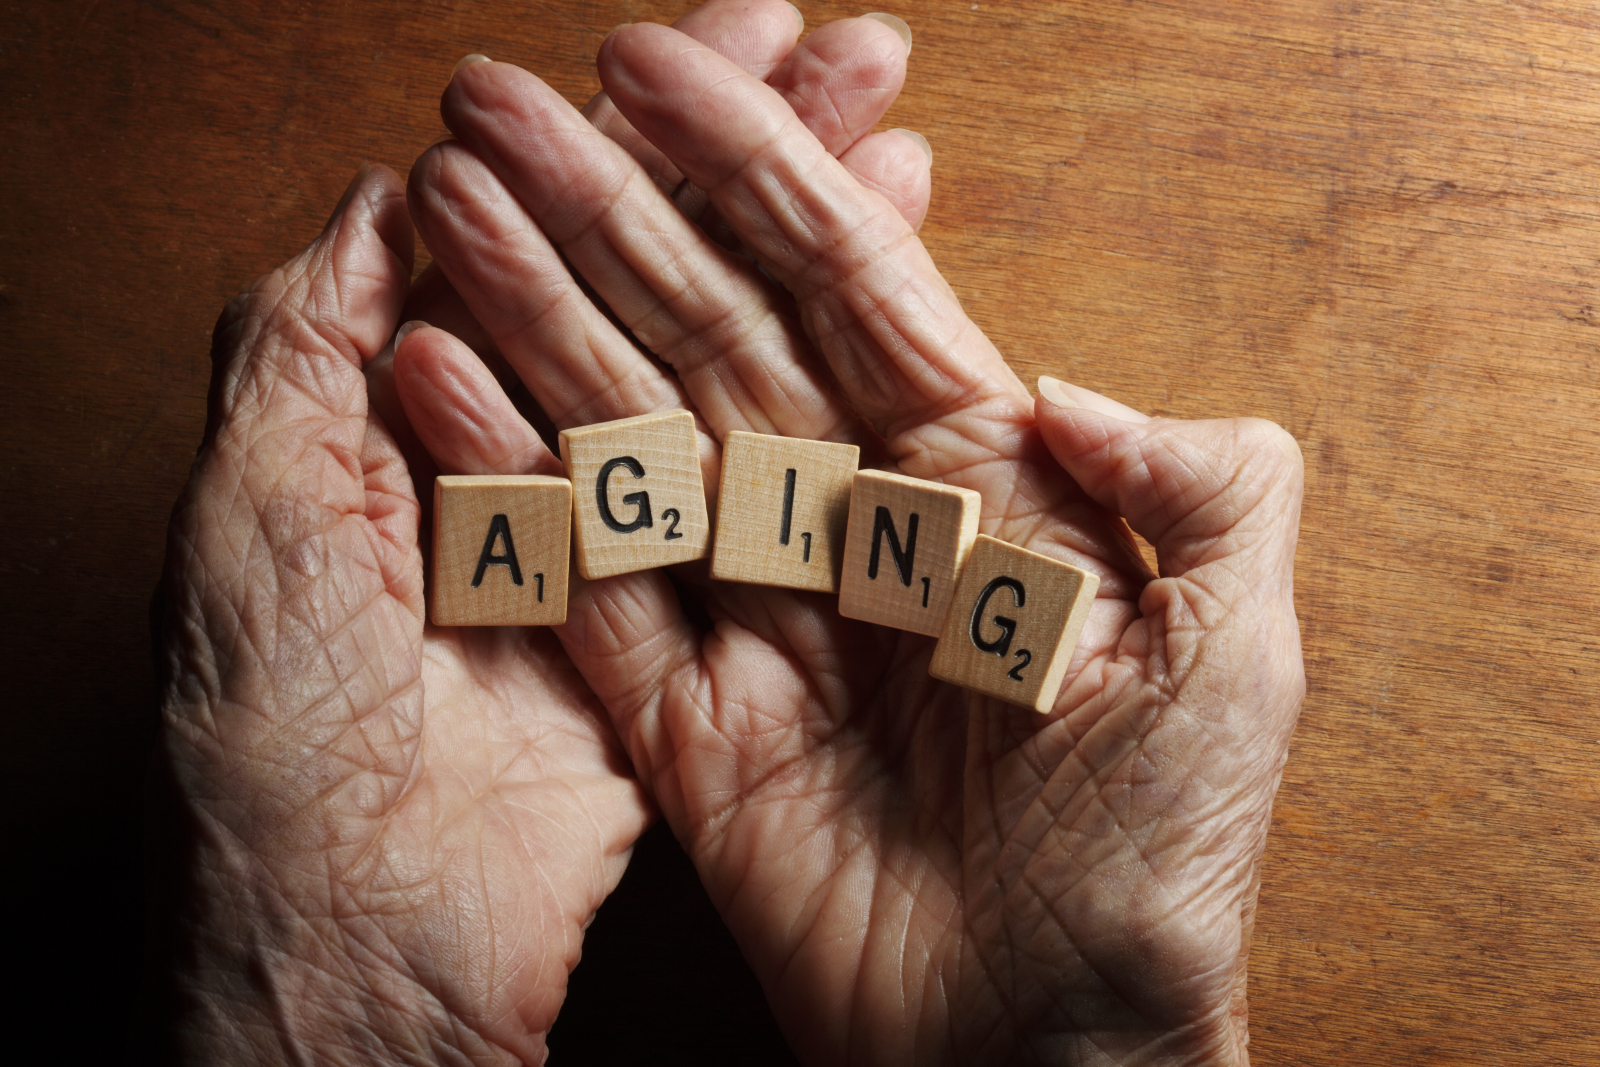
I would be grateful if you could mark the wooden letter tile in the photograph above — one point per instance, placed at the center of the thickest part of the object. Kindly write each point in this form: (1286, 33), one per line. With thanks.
(903, 553)
(500, 548)
(1013, 624)
(782, 511)
(637, 498)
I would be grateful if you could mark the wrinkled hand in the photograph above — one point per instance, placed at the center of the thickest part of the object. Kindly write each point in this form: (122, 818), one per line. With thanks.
(396, 833)
(918, 875)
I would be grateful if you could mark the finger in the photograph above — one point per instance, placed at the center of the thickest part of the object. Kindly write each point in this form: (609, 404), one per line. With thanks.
(578, 366)
(384, 404)
(291, 347)
(756, 39)
(723, 328)
(757, 36)
(459, 411)
(1201, 492)
(897, 165)
(1220, 500)
(719, 324)
(627, 632)
(434, 300)
(1065, 394)
(890, 328)
(841, 79)
(431, 300)
(839, 82)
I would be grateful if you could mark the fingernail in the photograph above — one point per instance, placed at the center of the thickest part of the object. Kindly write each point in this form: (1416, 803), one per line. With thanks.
(1065, 395)
(922, 142)
(406, 329)
(467, 61)
(1050, 389)
(800, 18)
(895, 23)
(349, 191)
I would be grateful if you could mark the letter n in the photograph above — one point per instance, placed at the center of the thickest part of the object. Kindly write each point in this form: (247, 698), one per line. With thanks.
(883, 523)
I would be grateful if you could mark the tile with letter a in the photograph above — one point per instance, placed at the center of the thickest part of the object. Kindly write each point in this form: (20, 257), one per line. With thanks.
(903, 553)
(1013, 624)
(637, 498)
(782, 511)
(500, 548)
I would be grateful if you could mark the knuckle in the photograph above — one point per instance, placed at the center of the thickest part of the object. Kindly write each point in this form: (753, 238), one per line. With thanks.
(254, 305)
(1267, 442)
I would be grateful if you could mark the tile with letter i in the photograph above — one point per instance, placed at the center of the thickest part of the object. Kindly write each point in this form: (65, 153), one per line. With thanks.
(637, 498)
(782, 511)
(500, 549)
(1013, 624)
(904, 549)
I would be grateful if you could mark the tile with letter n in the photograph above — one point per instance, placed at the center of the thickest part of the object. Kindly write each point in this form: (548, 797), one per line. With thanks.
(782, 510)
(637, 498)
(903, 553)
(500, 549)
(1013, 624)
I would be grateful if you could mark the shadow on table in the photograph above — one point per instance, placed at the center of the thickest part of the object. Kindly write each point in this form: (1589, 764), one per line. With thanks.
(661, 980)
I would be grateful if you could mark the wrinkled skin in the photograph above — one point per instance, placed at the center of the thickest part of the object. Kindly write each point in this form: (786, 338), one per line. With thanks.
(918, 875)
(398, 832)
(393, 835)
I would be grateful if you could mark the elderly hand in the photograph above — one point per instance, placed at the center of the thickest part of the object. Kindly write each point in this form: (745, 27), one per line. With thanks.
(394, 834)
(917, 874)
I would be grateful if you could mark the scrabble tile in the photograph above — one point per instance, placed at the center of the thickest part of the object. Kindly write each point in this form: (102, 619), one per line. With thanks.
(637, 498)
(500, 548)
(1013, 624)
(904, 549)
(782, 510)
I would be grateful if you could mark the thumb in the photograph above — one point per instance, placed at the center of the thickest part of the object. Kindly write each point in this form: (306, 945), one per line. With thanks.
(292, 344)
(1200, 492)
(286, 454)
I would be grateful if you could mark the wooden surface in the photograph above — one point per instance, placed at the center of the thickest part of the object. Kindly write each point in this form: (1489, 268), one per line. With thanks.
(1374, 222)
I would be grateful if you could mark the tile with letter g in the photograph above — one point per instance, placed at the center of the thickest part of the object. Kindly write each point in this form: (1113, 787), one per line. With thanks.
(637, 498)
(1013, 624)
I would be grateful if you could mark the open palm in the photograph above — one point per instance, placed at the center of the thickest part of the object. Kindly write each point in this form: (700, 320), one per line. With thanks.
(916, 874)
(375, 788)
(398, 832)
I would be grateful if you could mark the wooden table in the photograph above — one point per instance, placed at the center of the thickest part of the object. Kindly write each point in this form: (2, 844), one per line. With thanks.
(1373, 222)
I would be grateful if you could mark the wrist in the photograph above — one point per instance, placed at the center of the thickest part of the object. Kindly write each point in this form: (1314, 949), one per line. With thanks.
(1135, 1048)
(1213, 1041)
(243, 972)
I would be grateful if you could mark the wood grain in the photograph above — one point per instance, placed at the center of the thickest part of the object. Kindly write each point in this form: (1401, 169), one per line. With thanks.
(1373, 222)
(1014, 620)
(501, 544)
(782, 511)
(638, 501)
(904, 549)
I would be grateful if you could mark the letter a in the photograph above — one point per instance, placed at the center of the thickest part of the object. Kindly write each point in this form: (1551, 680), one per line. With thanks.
(499, 527)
